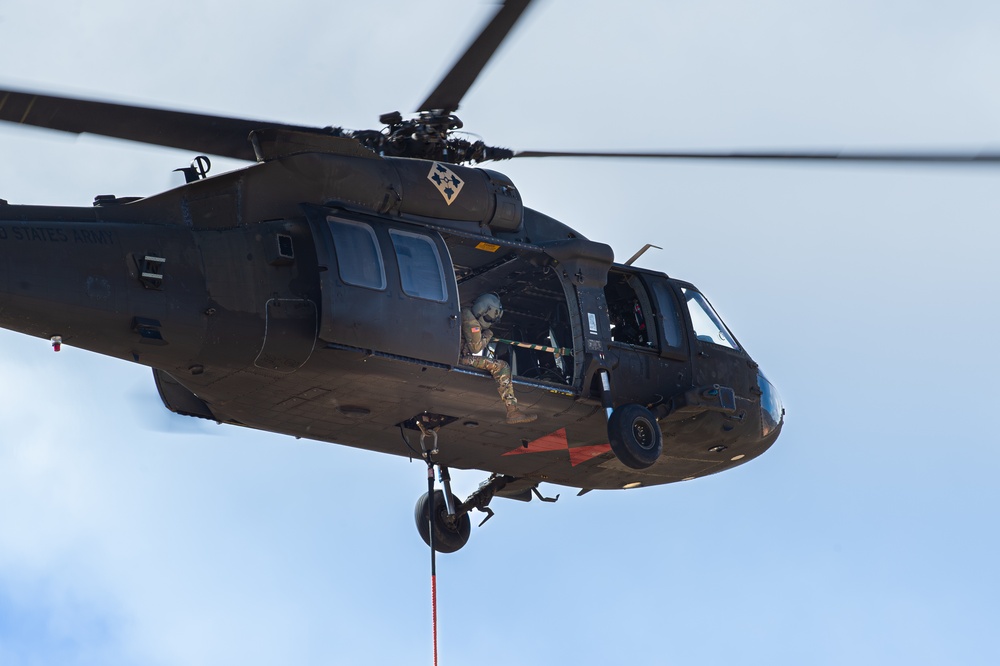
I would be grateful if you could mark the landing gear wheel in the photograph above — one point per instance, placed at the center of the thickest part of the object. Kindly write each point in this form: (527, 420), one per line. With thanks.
(449, 536)
(635, 436)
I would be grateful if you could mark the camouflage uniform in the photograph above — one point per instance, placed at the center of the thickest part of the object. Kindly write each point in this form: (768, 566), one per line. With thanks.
(475, 337)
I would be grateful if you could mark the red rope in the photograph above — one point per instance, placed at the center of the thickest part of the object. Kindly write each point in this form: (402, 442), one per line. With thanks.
(434, 616)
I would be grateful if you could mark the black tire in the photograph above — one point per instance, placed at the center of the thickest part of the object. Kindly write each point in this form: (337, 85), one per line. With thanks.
(447, 537)
(635, 436)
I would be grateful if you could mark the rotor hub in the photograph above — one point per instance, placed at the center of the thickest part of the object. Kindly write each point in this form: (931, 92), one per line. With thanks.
(427, 136)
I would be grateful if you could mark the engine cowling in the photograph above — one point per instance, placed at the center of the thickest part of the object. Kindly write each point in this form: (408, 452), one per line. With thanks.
(452, 192)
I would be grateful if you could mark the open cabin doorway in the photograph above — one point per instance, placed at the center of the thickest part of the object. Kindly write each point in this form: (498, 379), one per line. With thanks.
(535, 306)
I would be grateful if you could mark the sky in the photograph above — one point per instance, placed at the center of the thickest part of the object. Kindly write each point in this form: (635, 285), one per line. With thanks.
(866, 535)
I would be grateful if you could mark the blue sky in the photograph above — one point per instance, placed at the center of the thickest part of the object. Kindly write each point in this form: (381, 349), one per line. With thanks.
(868, 295)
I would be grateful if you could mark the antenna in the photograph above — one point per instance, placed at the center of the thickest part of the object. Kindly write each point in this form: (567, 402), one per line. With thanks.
(641, 252)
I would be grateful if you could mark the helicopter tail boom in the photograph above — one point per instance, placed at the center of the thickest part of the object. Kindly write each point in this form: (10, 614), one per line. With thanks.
(95, 285)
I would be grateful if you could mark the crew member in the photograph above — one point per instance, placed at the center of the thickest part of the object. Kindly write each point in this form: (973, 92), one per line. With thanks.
(624, 325)
(476, 335)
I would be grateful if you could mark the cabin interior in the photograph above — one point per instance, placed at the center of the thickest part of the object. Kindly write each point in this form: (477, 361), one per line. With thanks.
(536, 310)
(534, 301)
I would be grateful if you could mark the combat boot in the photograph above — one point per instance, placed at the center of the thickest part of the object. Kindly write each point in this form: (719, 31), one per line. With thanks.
(515, 415)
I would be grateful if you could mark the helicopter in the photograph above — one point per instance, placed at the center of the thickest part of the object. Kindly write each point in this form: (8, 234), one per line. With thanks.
(236, 289)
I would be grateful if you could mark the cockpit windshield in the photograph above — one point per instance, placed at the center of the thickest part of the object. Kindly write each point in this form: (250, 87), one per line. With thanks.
(708, 327)
(771, 410)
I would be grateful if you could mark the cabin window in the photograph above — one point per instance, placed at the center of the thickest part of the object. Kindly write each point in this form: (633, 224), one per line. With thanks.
(708, 327)
(420, 272)
(358, 258)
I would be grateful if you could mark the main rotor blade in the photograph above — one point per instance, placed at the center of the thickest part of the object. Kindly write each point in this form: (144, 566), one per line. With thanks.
(196, 132)
(981, 157)
(457, 82)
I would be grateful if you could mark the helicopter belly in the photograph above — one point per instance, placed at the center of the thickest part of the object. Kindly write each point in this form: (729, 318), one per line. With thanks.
(368, 400)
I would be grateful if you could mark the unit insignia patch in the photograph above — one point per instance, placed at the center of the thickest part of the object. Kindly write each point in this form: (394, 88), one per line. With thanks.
(446, 182)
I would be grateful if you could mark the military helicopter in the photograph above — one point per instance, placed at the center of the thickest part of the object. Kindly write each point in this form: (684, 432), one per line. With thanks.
(259, 298)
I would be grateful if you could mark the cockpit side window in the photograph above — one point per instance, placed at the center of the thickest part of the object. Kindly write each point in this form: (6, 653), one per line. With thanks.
(670, 319)
(708, 326)
(629, 310)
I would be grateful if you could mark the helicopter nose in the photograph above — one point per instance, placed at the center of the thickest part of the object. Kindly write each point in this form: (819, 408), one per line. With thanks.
(772, 412)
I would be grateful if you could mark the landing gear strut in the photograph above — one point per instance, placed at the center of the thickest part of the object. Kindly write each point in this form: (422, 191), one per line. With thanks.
(451, 525)
(442, 520)
(441, 525)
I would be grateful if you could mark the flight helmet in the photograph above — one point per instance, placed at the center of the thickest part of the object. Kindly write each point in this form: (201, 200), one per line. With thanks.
(488, 308)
